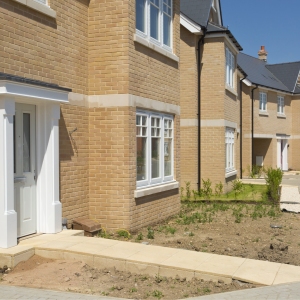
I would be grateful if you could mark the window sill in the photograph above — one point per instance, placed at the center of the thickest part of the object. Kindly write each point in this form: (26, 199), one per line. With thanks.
(231, 173)
(231, 90)
(156, 48)
(263, 113)
(281, 116)
(42, 8)
(156, 189)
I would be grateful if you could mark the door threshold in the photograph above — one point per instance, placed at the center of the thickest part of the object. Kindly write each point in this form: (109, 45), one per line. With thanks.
(28, 236)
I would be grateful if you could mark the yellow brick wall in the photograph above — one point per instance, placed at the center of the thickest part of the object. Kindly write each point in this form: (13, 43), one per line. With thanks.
(36, 46)
(151, 74)
(74, 158)
(295, 143)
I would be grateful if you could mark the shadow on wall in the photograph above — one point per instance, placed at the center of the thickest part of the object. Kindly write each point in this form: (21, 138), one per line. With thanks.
(157, 196)
(262, 147)
(66, 142)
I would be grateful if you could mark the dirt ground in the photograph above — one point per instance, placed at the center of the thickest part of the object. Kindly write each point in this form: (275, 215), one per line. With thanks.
(78, 277)
(229, 229)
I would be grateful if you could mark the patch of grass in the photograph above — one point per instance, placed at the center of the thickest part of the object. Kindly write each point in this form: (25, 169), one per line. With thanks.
(206, 290)
(123, 233)
(157, 294)
(150, 234)
(133, 290)
(191, 234)
(140, 237)
(170, 229)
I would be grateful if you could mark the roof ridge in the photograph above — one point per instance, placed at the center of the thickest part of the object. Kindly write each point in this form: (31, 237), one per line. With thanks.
(290, 62)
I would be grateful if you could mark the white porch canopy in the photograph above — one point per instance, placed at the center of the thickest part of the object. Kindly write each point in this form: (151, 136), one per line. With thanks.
(47, 99)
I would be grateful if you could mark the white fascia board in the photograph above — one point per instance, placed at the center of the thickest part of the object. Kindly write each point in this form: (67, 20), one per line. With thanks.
(190, 25)
(10, 88)
(247, 82)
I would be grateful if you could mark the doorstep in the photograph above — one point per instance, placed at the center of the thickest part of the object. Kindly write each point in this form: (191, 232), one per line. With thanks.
(26, 247)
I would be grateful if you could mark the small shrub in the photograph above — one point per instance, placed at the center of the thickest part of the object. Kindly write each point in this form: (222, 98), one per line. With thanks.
(191, 234)
(188, 189)
(104, 234)
(219, 189)
(206, 290)
(181, 193)
(207, 190)
(195, 194)
(237, 187)
(273, 179)
(140, 237)
(150, 234)
(170, 229)
(133, 290)
(255, 171)
(123, 233)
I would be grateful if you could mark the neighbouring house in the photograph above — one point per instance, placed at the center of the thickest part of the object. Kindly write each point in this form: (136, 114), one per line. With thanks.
(89, 114)
(209, 96)
(270, 113)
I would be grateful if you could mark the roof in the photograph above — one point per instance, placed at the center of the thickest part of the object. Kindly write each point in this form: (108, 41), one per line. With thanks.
(287, 73)
(196, 10)
(215, 28)
(9, 77)
(282, 77)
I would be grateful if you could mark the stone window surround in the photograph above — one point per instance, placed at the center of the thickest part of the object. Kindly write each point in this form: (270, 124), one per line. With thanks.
(42, 8)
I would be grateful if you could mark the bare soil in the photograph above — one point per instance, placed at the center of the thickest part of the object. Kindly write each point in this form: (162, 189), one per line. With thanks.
(242, 230)
(78, 277)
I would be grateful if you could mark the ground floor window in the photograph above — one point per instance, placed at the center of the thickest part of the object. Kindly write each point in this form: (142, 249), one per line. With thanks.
(154, 142)
(229, 149)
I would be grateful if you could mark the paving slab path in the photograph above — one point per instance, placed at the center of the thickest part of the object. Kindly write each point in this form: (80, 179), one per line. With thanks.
(149, 259)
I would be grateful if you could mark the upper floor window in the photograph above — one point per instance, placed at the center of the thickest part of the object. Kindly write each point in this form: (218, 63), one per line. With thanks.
(154, 21)
(230, 67)
(262, 101)
(154, 152)
(280, 105)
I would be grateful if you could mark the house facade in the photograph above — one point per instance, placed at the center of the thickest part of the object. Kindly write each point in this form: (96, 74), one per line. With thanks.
(270, 113)
(90, 114)
(210, 101)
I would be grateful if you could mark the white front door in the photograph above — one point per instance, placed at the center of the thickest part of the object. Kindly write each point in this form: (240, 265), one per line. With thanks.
(282, 154)
(24, 169)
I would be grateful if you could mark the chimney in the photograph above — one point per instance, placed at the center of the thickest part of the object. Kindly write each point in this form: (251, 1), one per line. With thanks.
(263, 54)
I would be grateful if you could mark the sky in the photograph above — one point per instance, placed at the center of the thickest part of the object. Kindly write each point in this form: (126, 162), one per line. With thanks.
(274, 24)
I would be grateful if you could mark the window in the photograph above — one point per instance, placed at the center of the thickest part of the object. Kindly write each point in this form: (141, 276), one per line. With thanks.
(42, 1)
(230, 67)
(154, 21)
(154, 141)
(280, 105)
(262, 101)
(229, 149)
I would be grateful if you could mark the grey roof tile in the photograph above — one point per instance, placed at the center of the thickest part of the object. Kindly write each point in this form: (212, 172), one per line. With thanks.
(259, 74)
(286, 73)
(196, 10)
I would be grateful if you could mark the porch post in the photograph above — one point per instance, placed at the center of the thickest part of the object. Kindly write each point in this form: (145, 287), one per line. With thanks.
(48, 204)
(8, 216)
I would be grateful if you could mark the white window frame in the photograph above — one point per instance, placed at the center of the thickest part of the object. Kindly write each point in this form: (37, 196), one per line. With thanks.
(146, 35)
(280, 105)
(162, 179)
(263, 101)
(44, 2)
(229, 150)
(230, 68)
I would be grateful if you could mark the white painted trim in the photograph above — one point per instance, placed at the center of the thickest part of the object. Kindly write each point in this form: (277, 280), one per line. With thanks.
(247, 82)
(227, 39)
(13, 88)
(263, 113)
(272, 136)
(155, 189)
(218, 123)
(188, 122)
(229, 174)
(154, 47)
(190, 25)
(281, 116)
(42, 8)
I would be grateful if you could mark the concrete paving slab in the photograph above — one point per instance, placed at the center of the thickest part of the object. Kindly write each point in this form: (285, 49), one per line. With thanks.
(220, 265)
(185, 259)
(287, 273)
(58, 245)
(257, 271)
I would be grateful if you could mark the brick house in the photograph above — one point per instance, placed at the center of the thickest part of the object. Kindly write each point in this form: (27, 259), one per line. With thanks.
(270, 114)
(89, 114)
(209, 99)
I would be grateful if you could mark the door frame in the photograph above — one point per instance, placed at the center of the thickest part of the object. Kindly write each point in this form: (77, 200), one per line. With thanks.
(282, 152)
(49, 209)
